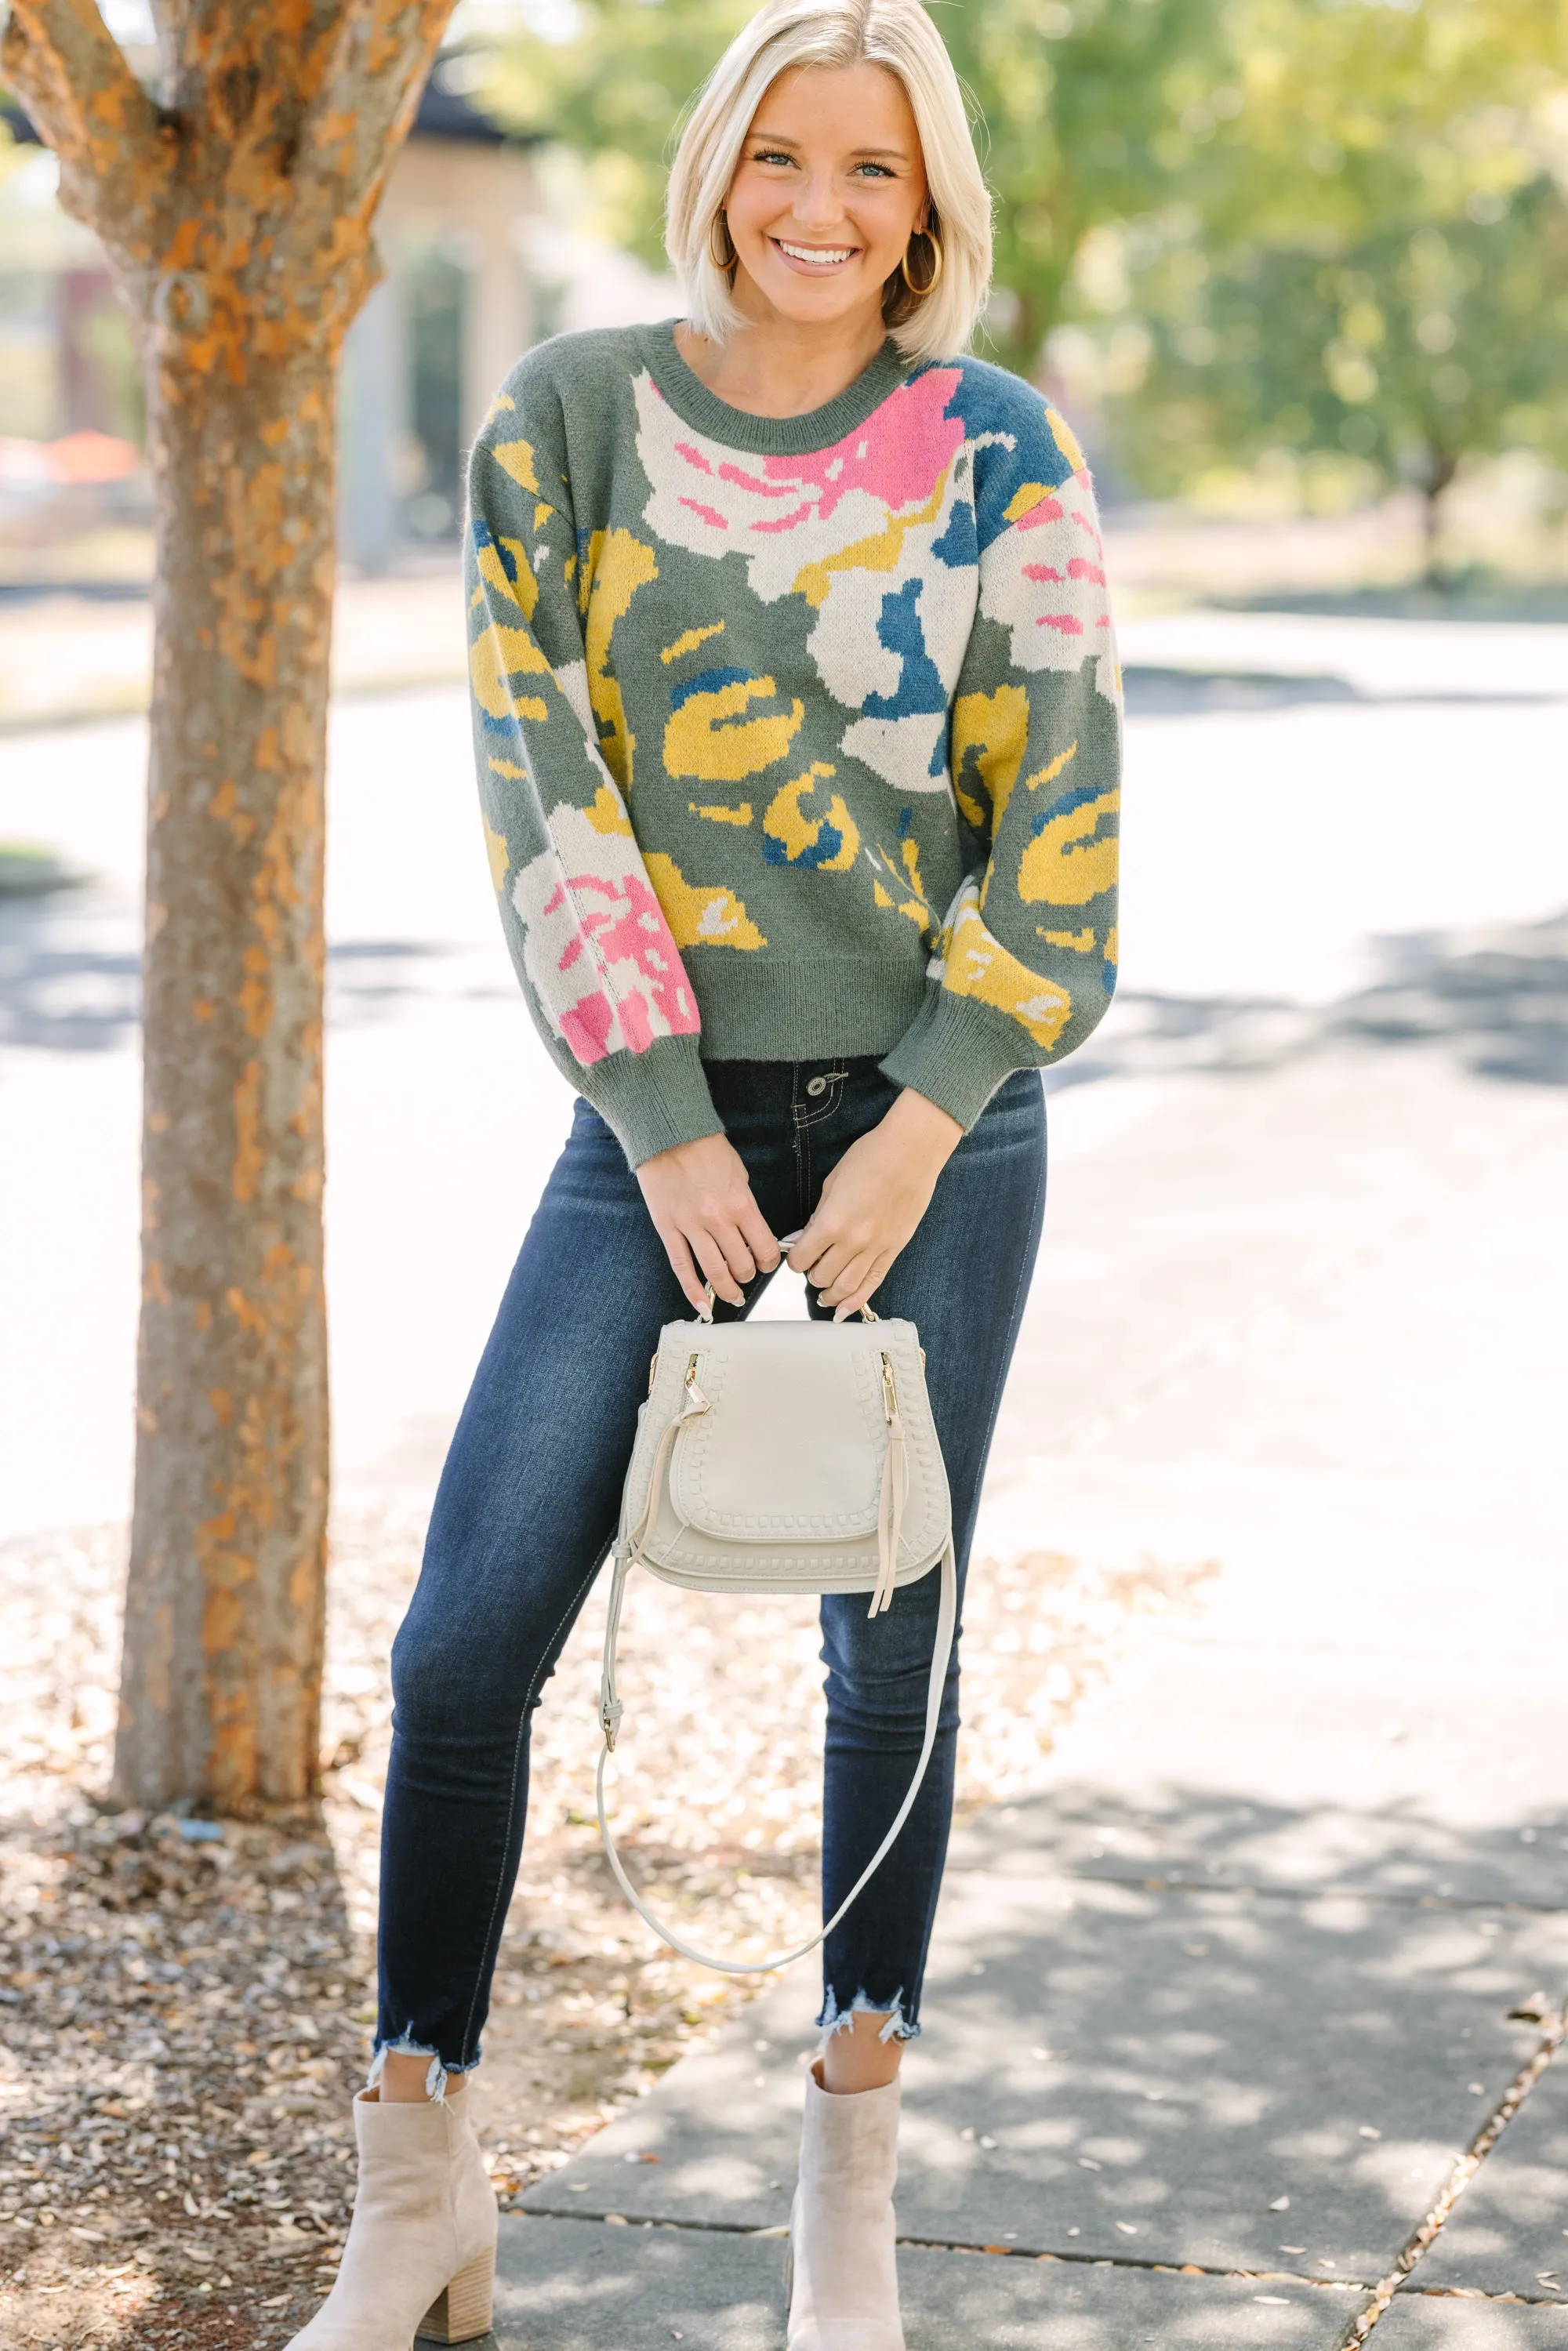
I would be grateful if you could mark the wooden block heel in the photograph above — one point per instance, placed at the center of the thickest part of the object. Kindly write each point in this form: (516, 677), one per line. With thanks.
(466, 2308)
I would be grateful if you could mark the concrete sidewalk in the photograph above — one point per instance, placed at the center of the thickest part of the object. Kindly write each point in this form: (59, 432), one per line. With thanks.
(1217, 2018)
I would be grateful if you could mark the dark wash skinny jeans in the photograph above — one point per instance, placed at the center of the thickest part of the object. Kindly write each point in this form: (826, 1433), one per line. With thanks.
(528, 1505)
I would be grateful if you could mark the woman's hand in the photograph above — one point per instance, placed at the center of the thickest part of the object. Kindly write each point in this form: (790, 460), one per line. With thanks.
(874, 1200)
(699, 1197)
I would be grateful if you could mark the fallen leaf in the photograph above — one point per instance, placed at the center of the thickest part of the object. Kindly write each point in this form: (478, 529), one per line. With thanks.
(1534, 2009)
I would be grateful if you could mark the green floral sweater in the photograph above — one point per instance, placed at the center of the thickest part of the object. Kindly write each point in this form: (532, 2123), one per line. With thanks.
(797, 737)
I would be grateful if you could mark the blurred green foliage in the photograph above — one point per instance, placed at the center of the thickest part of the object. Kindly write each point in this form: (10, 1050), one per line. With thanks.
(613, 89)
(1326, 228)
(1074, 107)
(1079, 105)
(1363, 252)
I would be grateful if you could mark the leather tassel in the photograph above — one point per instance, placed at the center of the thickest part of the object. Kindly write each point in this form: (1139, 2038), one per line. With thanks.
(890, 1517)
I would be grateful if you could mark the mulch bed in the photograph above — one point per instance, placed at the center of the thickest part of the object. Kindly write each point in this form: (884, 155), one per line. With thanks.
(184, 2004)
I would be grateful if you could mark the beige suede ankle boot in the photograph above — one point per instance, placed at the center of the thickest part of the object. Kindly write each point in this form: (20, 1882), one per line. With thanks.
(843, 2274)
(421, 2254)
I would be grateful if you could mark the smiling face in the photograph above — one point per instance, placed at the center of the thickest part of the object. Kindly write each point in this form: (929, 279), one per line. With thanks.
(829, 188)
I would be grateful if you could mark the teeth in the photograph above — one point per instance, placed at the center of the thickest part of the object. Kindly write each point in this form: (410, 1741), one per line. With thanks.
(821, 256)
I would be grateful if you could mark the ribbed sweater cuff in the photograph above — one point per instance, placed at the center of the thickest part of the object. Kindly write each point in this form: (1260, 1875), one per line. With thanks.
(653, 1100)
(957, 1052)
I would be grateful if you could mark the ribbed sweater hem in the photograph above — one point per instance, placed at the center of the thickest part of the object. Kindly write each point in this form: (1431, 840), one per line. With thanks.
(807, 1011)
(955, 1051)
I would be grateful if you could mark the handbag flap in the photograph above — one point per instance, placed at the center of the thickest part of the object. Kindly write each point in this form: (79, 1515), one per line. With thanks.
(789, 1454)
(791, 1446)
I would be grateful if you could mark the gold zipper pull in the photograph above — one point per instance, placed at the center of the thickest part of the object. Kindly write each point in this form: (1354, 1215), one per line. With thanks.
(889, 1392)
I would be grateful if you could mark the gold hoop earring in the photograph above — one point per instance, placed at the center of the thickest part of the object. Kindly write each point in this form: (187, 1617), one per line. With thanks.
(723, 263)
(935, 242)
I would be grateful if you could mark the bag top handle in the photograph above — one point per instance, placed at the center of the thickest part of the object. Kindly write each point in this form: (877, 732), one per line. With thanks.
(705, 1312)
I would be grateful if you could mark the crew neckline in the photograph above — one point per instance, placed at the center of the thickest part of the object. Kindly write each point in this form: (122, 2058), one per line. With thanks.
(740, 428)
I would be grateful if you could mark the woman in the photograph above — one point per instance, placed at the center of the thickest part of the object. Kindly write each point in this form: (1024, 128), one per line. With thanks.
(797, 720)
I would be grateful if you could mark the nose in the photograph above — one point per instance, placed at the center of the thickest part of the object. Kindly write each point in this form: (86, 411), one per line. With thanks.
(816, 205)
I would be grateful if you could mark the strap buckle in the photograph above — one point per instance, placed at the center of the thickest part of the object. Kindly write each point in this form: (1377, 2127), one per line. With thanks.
(609, 1713)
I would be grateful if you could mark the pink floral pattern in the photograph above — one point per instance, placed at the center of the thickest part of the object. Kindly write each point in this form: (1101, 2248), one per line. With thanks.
(599, 951)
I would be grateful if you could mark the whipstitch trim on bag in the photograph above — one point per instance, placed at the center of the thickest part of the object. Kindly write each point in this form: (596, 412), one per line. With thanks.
(817, 1562)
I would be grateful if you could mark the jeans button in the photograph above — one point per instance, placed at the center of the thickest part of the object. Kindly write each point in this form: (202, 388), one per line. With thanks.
(816, 1085)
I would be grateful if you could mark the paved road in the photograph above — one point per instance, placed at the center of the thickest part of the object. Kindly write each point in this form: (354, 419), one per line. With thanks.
(1284, 850)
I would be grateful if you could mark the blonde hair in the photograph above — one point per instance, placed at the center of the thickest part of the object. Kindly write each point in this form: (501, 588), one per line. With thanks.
(894, 34)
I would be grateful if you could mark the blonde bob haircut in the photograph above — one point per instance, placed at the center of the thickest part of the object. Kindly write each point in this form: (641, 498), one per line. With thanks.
(900, 37)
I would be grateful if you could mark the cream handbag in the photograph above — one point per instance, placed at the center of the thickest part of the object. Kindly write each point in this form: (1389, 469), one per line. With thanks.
(784, 1456)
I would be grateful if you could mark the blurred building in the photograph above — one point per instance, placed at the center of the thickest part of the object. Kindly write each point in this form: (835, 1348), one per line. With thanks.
(422, 361)
(453, 312)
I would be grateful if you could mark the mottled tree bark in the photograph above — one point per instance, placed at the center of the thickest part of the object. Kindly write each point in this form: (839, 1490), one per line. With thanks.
(220, 1686)
(236, 217)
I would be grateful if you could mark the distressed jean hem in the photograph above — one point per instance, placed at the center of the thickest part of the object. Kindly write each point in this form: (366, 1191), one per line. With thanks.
(834, 2018)
(405, 2045)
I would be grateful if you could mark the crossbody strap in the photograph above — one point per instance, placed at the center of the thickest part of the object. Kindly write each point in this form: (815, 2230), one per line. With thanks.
(610, 1715)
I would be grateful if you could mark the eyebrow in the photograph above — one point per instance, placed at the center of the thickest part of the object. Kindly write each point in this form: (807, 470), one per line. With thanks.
(876, 154)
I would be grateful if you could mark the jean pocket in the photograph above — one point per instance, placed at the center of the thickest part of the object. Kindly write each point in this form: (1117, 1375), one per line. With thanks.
(823, 1094)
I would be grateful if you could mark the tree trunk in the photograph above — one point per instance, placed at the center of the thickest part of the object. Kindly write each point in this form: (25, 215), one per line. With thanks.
(221, 1685)
(1440, 471)
(235, 214)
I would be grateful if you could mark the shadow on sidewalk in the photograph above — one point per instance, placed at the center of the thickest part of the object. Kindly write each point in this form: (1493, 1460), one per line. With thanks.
(1153, 692)
(1496, 999)
(1131, 2064)
(70, 974)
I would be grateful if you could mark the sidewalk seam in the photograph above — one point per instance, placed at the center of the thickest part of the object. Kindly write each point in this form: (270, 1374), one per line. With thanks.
(1007, 2252)
(1421, 2240)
